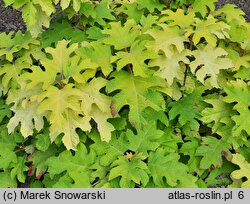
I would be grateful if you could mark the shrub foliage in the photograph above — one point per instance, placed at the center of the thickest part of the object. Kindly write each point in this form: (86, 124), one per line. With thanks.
(125, 93)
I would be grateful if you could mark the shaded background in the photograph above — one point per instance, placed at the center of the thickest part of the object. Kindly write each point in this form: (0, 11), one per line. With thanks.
(11, 20)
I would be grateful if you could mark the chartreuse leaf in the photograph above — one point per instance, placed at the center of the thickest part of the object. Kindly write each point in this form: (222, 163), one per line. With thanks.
(138, 93)
(11, 73)
(209, 29)
(238, 174)
(203, 6)
(216, 112)
(63, 107)
(170, 68)
(136, 56)
(208, 63)
(178, 18)
(163, 165)
(130, 31)
(131, 171)
(10, 46)
(27, 117)
(150, 5)
(166, 39)
(99, 54)
(76, 167)
(97, 106)
(239, 92)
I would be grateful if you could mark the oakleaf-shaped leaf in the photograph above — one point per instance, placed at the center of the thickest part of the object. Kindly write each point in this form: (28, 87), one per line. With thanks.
(27, 117)
(166, 39)
(209, 29)
(177, 18)
(138, 93)
(130, 31)
(202, 6)
(63, 106)
(132, 171)
(136, 56)
(77, 166)
(164, 165)
(170, 67)
(239, 160)
(212, 150)
(208, 63)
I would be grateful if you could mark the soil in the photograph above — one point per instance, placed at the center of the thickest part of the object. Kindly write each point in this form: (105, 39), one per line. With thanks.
(11, 20)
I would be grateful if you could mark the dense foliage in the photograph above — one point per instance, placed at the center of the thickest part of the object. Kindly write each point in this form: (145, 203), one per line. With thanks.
(125, 93)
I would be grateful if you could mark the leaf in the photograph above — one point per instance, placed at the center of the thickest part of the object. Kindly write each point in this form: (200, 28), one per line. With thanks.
(177, 18)
(164, 165)
(98, 53)
(77, 166)
(39, 158)
(129, 31)
(136, 56)
(59, 31)
(151, 5)
(4, 110)
(166, 39)
(238, 92)
(138, 93)
(11, 73)
(97, 106)
(7, 146)
(212, 150)
(19, 169)
(203, 6)
(46, 6)
(27, 117)
(170, 68)
(209, 29)
(6, 181)
(208, 63)
(187, 108)
(131, 172)
(239, 160)
(103, 12)
(217, 113)
(145, 140)
(63, 106)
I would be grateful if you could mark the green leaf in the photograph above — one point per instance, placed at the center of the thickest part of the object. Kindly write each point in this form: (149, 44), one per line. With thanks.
(212, 150)
(138, 93)
(6, 181)
(146, 140)
(187, 108)
(77, 166)
(39, 158)
(164, 165)
(131, 171)
(130, 31)
(203, 6)
(19, 169)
